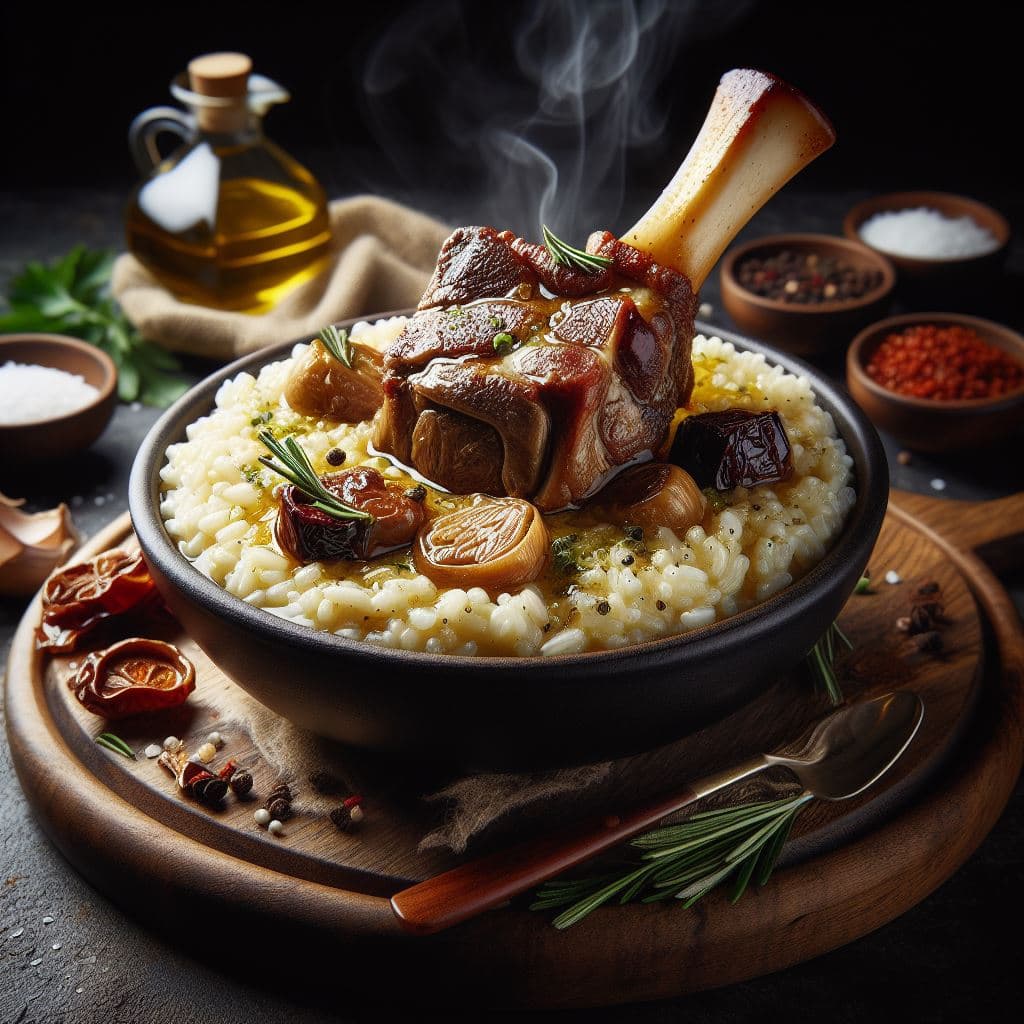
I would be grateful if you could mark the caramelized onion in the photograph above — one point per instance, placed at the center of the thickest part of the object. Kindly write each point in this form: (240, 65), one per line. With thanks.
(322, 387)
(494, 543)
(652, 495)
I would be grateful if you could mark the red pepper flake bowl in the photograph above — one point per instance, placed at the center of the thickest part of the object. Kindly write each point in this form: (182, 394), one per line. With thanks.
(805, 293)
(938, 424)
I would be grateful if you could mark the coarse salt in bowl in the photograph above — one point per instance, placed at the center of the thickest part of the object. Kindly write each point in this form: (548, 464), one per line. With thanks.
(30, 392)
(57, 396)
(940, 243)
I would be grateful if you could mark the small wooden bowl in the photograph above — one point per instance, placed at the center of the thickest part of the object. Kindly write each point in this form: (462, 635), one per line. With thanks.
(970, 273)
(926, 424)
(805, 329)
(59, 436)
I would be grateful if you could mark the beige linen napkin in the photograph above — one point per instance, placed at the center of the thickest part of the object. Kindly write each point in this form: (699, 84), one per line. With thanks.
(383, 255)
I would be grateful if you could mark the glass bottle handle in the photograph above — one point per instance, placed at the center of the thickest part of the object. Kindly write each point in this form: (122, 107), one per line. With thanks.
(143, 132)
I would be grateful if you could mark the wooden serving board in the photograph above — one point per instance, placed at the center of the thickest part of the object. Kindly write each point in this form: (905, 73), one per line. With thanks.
(852, 866)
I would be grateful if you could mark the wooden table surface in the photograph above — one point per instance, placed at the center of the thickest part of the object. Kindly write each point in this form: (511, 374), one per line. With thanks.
(66, 954)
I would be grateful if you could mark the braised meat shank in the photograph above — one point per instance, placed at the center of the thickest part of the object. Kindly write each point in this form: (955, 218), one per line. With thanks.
(522, 377)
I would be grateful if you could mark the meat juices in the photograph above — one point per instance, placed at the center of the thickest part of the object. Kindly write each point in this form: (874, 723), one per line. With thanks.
(545, 395)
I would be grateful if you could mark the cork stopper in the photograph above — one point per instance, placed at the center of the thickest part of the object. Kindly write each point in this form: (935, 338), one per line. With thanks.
(222, 76)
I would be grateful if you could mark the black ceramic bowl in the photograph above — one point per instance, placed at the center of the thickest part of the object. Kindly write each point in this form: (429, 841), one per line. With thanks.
(509, 712)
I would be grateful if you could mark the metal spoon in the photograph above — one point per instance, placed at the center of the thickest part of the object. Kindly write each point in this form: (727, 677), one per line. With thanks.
(838, 758)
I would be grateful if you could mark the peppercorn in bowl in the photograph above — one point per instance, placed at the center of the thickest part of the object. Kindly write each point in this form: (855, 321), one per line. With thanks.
(939, 381)
(805, 293)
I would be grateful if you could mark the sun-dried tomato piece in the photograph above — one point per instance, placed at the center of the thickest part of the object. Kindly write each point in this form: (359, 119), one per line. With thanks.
(78, 598)
(133, 677)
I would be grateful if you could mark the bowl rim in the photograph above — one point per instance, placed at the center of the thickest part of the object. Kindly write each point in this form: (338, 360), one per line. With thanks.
(808, 240)
(143, 498)
(855, 363)
(105, 390)
(911, 199)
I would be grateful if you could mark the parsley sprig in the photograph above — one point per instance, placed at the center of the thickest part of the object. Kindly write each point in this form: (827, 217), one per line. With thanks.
(575, 259)
(72, 296)
(294, 465)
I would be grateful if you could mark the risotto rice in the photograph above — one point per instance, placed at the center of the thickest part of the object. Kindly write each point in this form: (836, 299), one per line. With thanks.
(218, 504)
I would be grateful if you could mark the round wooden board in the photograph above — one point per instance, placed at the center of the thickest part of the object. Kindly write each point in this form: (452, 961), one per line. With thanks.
(854, 866)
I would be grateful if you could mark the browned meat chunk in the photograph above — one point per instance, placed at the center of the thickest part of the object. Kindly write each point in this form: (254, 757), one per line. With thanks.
(574, 373)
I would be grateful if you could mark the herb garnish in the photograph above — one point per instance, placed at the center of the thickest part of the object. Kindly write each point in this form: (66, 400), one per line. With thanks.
(294, 465)
(821, 659)
(336, 341)
(564, 555)
(111, 742)
(504, 342)
(863, 585)
(72, 296)
(685, 861)
(575, 259)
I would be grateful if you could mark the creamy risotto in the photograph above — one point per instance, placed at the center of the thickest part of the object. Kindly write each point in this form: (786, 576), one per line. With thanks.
(609, 587)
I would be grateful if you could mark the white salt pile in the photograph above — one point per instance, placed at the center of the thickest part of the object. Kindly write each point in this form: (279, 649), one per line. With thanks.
(927, 234)
(29, 393)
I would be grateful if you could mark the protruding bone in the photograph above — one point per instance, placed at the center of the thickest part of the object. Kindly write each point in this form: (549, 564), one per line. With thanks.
(758, 133)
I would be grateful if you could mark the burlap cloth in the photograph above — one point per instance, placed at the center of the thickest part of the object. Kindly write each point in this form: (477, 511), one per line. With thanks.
(383, 256)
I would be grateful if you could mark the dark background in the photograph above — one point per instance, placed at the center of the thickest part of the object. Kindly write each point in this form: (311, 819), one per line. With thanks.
(406, 100)
(397, 97)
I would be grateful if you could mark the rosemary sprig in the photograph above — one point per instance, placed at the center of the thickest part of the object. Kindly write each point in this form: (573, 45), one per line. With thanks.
(111, 742)
(294, 465)
(337, 342)
(685, 861)
(821, 659)
(576, 259)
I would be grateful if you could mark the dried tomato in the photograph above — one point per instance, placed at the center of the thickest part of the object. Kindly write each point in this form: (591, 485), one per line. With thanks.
(133, 677)
(78, 598)
(310, 535)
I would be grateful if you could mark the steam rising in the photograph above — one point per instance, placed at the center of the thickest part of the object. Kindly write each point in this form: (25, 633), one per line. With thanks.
(477, 144)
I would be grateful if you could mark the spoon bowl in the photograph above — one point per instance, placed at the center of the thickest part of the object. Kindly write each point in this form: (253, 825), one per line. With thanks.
(848, 751)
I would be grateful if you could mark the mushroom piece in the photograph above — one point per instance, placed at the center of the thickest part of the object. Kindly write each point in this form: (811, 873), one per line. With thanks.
(322, 386)
(651, 495)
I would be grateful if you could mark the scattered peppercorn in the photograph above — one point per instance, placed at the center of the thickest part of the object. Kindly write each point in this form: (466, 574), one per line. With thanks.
(241, 783)
(943, 363)
(805, 278)
(660, 605)
(628, 560)
(336, 457)
(635, 532)
(281, 790)
(279, 808)
(603, 607)
(417, 493)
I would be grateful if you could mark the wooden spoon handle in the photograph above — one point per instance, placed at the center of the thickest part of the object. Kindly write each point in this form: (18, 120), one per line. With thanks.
(487, 882)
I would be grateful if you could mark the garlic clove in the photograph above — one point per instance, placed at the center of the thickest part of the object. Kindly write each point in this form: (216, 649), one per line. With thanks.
(32, 545)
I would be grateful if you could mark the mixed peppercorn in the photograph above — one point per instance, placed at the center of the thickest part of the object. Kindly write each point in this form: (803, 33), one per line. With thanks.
(944, 363)
(805, 278)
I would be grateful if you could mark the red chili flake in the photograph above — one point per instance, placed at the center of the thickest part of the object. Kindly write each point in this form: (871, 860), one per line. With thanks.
(944, 363)
(80, 597)
(133, 677)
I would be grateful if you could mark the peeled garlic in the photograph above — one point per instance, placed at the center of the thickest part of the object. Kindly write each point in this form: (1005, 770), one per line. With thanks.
(32, 545)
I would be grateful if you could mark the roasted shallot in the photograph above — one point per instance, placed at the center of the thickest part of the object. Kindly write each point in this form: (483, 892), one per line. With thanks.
(494, 543)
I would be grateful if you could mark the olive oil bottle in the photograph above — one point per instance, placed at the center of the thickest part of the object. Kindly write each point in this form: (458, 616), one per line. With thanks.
(229, 219)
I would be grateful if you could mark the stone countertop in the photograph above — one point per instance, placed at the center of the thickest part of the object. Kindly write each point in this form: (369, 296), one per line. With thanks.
(67, 954)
